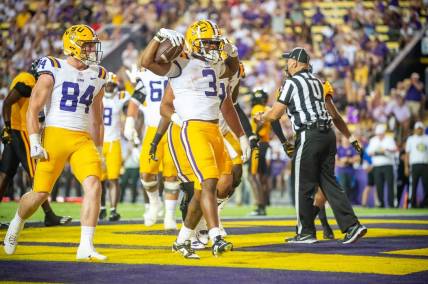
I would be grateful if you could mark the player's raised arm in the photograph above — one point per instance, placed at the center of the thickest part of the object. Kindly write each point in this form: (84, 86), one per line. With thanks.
(147, 58)
(42, 91)
(232, 61)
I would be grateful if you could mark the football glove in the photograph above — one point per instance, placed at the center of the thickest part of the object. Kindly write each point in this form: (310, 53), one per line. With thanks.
(288, 148)
(6, 136)
(154, 146)
(129, 130)
(132, 74)
(245, 147)
(254, 141)
(36, 149)
(230, 49)
(354, 142)
(176, 38)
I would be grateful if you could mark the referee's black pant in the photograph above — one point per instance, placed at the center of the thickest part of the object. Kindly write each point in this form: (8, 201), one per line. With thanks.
(312, 166)
(418, 171)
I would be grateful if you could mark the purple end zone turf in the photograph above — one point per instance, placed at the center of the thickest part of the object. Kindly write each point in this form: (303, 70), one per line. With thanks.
(113, 273)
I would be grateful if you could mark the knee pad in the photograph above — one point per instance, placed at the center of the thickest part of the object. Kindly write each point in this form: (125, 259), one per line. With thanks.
(149, 184)
(171, 187)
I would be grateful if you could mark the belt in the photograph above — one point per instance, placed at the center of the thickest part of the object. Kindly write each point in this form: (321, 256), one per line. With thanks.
(321, 125)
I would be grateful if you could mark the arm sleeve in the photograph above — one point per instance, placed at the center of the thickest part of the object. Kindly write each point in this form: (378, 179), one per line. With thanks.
(244, 120)
(23, 89)
(286, 92)
(277, 129)
(47, 65)
(139, 95)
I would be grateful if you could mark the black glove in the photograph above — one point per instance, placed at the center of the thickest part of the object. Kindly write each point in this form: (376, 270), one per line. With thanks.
(152, 151)
(254, 141)
(288, 148)
(154, 146)
(6, 136)
(357, 146)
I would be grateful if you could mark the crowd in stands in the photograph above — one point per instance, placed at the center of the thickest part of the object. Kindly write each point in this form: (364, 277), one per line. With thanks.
(350, 43)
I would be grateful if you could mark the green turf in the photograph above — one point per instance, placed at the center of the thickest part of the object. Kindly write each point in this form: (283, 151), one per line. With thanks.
(135, 211)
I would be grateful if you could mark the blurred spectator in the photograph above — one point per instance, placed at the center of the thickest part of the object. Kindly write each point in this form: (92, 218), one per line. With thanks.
(346, 158)
(130, 177)
(417, 164)
(382, 149)
(400, 113)
(129, 55)
(415, 97)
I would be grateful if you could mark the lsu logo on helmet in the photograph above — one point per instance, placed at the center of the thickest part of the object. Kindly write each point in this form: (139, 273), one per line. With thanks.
(203, 38)
(81, 42)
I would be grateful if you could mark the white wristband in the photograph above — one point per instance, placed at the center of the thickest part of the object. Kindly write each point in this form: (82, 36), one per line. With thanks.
(35, 139)
(352, 138)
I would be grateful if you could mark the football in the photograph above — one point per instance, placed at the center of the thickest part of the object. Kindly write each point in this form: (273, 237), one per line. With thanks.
(167, 52)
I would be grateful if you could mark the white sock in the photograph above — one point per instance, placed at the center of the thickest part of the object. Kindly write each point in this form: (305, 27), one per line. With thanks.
(17, 222)
(184, 234)
(153, 196)
(146, 207)
(202, 225)
(87, 237)
(170, 206)
(112, 209)
(102, 208)
(221, 203)
(213, 233)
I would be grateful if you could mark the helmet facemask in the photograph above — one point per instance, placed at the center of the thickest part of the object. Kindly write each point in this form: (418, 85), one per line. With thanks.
(90, 52)
(210, 49)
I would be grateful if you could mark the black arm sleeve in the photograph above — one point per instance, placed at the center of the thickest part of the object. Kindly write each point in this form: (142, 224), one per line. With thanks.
(244, 121)
(277, 129)
(23, 89)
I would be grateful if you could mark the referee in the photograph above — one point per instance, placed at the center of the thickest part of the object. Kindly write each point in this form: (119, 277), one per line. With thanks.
(302, 96)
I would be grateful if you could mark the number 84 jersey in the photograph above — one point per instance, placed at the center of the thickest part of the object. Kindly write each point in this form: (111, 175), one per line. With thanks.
(73, 93)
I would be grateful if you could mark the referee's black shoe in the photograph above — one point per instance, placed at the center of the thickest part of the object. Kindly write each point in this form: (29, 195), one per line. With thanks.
(354, 233)
(302, 239)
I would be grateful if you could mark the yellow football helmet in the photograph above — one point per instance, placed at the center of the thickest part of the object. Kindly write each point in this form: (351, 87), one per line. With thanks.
(111, 86)
(203, 38)
(81, 42)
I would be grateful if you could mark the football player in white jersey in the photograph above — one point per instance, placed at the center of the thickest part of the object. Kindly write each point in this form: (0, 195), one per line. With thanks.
(151, 88)
(113, 101)
(194, 81)
(71, 90)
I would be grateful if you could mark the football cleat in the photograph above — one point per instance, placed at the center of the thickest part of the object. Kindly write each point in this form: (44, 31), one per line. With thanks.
(185, 250)
(220, 246)
(151, 217)
(57, 220)
(114, 216)
(354, 233)
(89, 254)
(202, 236)
(103, 214)
(196, 244)
(11, 238)
(302, 239)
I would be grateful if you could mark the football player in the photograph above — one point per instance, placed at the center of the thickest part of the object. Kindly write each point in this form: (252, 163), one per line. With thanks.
(259, 168)
(113, 101)
(71, 90)
(194, 82)
(150, 90)
(15, 138)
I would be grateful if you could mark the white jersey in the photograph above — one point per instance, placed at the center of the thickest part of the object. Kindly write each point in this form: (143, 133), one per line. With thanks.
(154, 88)
(417, 147)
(224, 85)
(196, 85)
(73, 93)
(112, 110)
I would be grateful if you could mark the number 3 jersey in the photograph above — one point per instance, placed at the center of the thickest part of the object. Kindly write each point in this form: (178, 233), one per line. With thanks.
(152, 87)
(196, 85)
(112, 108)
(73, 93)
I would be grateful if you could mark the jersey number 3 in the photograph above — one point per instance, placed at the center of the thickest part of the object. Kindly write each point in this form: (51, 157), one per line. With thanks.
(70, 97)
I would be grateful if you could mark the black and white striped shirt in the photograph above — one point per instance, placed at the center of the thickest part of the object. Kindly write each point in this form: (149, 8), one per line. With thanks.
(303, 94)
